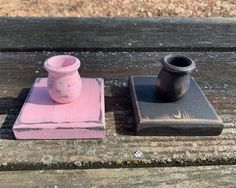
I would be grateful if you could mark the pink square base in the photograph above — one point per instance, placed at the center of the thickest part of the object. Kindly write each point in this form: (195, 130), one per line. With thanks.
(42, 118)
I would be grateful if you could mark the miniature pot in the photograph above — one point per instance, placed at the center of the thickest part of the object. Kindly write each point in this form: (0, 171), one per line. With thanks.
(174, 78)
(64, 82)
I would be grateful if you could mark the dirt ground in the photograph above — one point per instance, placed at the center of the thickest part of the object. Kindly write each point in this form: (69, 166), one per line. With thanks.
(144, 8)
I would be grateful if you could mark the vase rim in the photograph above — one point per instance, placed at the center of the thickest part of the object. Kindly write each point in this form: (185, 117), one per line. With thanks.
(62, 64)
(178, 63)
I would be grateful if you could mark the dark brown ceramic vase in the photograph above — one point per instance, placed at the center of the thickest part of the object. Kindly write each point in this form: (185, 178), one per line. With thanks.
(174, 78)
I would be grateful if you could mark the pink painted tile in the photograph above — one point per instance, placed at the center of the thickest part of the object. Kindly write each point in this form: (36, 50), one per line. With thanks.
(42, 118)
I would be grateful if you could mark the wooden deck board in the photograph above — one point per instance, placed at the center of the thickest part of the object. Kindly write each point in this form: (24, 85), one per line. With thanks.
(117, 34)
(19, 69)
(215, 74)
(196, 176)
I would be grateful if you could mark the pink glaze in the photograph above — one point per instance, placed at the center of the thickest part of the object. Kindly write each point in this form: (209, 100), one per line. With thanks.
(64, 82)
(42, 118)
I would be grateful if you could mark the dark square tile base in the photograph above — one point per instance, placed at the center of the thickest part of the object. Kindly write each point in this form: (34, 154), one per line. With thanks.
(192, 115)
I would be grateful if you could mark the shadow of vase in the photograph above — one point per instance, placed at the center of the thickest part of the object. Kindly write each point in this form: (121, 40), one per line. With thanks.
(11, 106)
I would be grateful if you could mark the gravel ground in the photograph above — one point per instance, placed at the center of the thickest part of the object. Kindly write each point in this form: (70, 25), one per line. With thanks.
(146, 8)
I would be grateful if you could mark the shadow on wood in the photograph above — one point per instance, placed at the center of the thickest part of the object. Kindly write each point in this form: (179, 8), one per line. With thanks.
(121, 107)
(11, 106)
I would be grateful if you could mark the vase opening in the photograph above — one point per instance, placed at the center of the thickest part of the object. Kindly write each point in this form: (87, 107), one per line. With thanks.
(62, 64)
(178, 63)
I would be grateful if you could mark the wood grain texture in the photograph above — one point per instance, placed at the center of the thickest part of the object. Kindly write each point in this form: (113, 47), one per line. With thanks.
(199, 176)
(19, 69)
(117, 34)
(42, 118)
(191, 115)
(215, 74)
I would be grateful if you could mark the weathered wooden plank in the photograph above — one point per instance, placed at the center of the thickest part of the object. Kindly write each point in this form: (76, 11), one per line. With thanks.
(216, 75)
(19, 69)
(195, 176)
(117, 34)
(120, 148)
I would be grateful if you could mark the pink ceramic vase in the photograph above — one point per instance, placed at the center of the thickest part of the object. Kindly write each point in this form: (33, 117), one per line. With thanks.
(64, 82)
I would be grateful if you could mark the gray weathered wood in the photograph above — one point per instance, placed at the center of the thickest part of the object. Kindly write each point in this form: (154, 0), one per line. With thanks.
(117, 34)
(198, 176)
(215, 74)
(215, 70)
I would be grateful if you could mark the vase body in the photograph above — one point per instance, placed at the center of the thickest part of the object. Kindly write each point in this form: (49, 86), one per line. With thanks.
(64, 82)
(174, 78)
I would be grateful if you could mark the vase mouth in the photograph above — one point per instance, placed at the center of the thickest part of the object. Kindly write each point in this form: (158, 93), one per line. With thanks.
(62, 64)
(178, 63)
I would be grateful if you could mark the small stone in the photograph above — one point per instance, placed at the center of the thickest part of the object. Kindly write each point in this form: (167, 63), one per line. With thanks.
(78, 163)
(149, 14)
(175, 156)
(47, 159)
(4, 164)
(138, 154)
